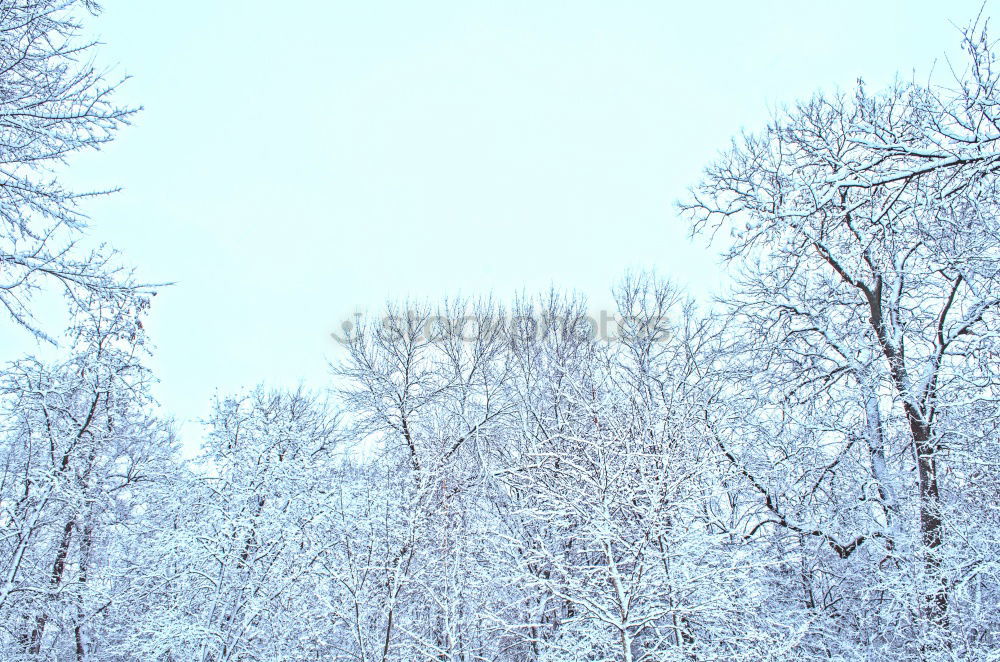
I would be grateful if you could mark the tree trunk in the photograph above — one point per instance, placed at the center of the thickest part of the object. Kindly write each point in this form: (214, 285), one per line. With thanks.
(931, 526)
(58, 566)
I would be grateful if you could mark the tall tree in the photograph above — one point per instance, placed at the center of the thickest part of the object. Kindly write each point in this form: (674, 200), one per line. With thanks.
(869, 241)
(79, 455)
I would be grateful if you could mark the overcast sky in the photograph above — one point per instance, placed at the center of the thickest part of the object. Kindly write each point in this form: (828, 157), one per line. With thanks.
(297, 162)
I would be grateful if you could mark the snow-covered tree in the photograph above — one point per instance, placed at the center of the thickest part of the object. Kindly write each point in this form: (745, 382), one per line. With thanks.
(868, 246)
(248, 535)
(54, 102)
(81, 454)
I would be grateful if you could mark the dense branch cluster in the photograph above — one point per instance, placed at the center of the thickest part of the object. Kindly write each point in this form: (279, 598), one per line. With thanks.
(810, 470)
(500, 496)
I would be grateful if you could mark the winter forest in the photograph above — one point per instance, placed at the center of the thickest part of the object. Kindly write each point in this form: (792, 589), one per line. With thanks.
(805, 469)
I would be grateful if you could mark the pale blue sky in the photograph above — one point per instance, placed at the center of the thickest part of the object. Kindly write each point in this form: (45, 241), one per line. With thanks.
(296, 162)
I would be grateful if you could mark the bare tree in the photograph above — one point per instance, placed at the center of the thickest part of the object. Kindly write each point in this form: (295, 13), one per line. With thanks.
(425, 387)
(79, 452)
(867, 230)
(53, 103)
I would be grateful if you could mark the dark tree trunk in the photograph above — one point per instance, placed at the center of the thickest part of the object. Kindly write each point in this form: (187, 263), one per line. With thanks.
(58, 566)
(931, 525)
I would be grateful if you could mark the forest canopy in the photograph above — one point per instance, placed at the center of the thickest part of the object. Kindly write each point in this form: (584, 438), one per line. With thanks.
(806, 469)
